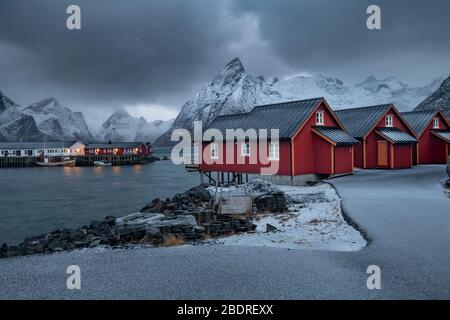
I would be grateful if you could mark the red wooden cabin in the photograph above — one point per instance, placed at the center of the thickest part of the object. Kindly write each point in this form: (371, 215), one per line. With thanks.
(387, 140)
(118, 149)
(311, 141)
(433, 132)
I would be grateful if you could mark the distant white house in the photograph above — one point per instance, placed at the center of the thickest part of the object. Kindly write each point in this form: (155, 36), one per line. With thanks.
(38, 149)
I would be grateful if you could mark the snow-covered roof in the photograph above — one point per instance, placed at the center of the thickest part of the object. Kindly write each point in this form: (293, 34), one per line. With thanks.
(37, 145)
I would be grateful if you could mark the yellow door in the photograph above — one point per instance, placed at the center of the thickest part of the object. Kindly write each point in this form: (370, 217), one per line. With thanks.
(382, 154)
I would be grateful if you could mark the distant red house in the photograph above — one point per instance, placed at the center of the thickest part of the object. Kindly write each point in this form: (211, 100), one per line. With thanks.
(118, 149)
(433, 132)
(387, 140)
(311, 141)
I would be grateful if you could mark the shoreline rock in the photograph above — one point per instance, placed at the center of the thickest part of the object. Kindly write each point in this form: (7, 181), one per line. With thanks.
(188, 216)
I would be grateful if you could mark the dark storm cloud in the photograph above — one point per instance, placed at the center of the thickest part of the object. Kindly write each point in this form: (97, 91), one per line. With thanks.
(159, 52)
(329, 35)
(126, 52)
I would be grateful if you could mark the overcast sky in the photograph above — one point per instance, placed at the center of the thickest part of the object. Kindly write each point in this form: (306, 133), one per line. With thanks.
(152, 55)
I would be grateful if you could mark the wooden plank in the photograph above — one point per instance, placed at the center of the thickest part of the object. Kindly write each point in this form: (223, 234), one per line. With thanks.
(382, 154)
(236, 205)
(392, 156)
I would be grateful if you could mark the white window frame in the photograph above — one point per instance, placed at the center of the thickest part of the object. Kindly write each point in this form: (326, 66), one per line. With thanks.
(319, 118)
(436, 123)
(214, 151)
(389, 121)
(274, 151)
(244, 148)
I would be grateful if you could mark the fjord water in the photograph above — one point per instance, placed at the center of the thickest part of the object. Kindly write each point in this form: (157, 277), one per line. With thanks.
(34, 201)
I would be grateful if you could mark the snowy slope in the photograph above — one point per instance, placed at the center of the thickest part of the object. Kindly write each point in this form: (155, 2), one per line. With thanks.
(440, 99)
(6, 103)
(314, 221)
(15, 125)
(121, 126)
(233, 90)
(151, 131)
(58, 121)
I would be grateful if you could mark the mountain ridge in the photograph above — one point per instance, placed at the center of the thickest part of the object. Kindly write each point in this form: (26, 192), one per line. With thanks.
(121, 126)
(58, 121)
(233, 90)
(439, 100)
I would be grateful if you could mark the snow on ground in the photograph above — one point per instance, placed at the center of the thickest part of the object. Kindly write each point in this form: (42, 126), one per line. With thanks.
(314, 221)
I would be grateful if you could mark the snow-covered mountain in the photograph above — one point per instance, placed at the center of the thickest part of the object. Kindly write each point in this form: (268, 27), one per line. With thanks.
(16, 125)
(121, 126)
(43, 120)
(48, 120)
(6, 103)
(233, 91)
(58, 121)
(438, 100)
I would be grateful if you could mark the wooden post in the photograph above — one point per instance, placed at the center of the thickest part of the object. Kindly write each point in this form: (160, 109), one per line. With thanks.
(364, 152)
(392, 156)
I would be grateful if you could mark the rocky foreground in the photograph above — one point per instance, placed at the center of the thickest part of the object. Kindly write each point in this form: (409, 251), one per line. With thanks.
(189, 217)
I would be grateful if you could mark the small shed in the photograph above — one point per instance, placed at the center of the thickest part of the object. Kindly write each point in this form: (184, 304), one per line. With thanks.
(387, 140)
(433, 132)
(118, 148)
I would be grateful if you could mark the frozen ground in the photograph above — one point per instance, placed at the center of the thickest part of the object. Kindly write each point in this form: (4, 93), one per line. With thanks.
(314, 221)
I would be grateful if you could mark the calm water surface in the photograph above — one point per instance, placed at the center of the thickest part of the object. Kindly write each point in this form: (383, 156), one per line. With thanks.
(37, 200)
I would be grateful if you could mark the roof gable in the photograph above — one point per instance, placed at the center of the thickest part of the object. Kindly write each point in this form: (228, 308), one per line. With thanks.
(419, 120)
(335, 135)
(360, 121)
(288, 117)
(443, 134)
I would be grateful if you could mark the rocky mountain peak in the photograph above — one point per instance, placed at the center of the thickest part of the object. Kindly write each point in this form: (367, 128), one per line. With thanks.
(446, 83)
(5, 102)
(57, 121)
(234, 91)
(234, 65)
(374, 84)
(371, 78)
(51, 100)
(121, 126)
(439, 100)
(231, 74)
(120, 113)
(45, 104)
